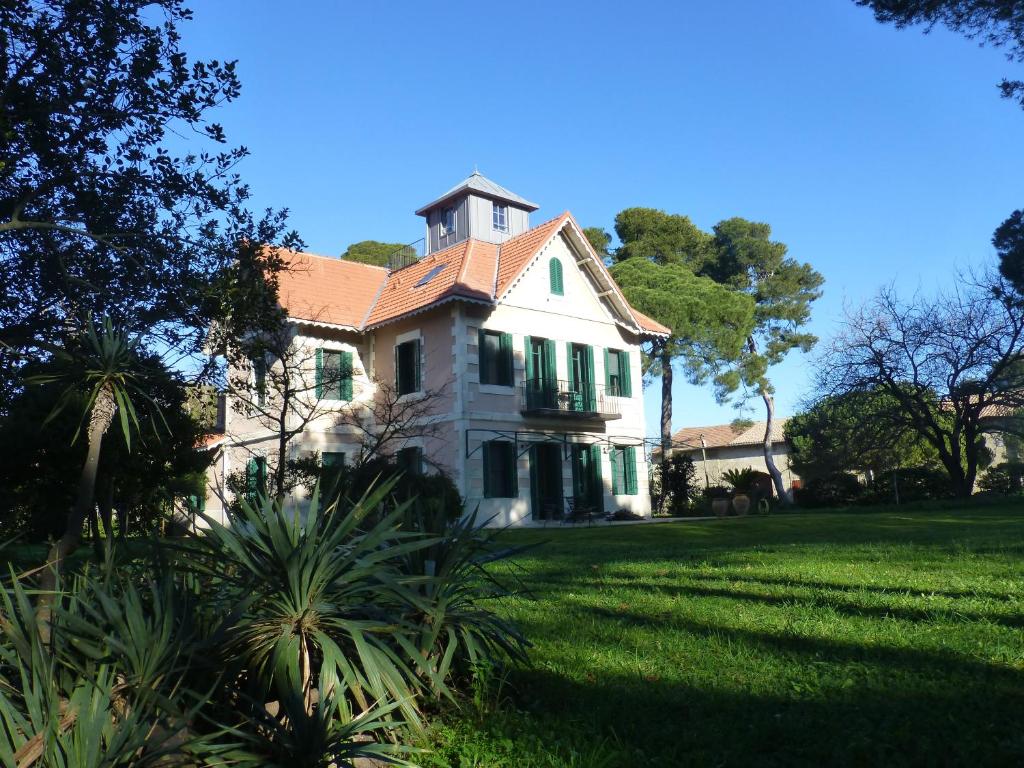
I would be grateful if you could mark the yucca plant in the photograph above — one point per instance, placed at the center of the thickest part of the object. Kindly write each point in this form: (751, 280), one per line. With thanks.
(458, 632)
(322, 606)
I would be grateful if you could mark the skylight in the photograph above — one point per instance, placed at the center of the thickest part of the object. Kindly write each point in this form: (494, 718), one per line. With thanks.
(431, 275)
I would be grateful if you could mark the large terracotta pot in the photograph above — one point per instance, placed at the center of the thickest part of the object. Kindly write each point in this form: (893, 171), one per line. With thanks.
(741, 503)
(720, 507)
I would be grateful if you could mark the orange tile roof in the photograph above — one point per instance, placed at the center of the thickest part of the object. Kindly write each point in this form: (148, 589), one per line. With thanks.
(328, 290)
(722, 435)
(465, 270)
(359, 296)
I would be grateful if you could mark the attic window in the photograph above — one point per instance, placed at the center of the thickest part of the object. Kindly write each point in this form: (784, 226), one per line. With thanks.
(431, 275)
(500, 217)
(448, 221)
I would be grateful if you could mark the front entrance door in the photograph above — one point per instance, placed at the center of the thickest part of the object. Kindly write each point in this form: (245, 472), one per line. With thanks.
(587, 487)
(546, 481)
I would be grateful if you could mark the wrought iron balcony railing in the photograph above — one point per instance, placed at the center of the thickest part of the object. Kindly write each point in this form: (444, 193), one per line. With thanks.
(569, 399)
(406, 256)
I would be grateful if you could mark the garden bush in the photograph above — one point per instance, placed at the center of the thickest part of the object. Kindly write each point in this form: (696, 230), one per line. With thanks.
(1006, 479)
(287, 638)
(914, 484)
(833, 490)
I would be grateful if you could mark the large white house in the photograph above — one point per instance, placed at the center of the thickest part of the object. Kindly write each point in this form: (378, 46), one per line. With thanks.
(532, 346)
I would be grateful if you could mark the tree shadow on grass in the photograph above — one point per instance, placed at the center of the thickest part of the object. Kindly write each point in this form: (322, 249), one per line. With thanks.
(832, 602)
(917, 708)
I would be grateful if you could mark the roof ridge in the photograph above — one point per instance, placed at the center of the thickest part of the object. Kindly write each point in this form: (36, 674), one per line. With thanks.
(336, 259)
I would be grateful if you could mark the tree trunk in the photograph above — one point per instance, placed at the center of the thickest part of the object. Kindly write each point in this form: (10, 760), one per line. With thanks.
(769, 460)
(666, 421)
(99, 422)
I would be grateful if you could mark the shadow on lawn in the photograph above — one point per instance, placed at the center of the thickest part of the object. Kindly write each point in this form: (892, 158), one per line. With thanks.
(911, 708)
(833, 602)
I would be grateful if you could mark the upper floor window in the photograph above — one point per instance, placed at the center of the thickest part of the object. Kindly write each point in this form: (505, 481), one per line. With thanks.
(407, 367)
(495, 358)
(448, 221)
(333, 375)
(617, 379)
(410, 460)
(555, 269)
(500, 217)
(259, 374)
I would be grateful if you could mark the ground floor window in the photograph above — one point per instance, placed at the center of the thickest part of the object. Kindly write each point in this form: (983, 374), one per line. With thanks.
(410, 460)
(500, 481)
(623, 460)
(587, 487)
(255, 478)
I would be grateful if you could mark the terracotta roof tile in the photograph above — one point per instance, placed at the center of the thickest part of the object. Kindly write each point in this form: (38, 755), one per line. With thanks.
(465, 270)
(722, 435)
(647, 323)
(328, 290)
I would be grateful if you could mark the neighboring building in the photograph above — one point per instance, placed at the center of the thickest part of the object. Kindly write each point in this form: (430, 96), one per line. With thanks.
(533, 348)
(715, 450)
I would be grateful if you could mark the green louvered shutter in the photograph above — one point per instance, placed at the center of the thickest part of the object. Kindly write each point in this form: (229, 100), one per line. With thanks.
(528, 347)
(614, 455)
(557, 285)
(416, 366)
(630, 473)
(598, 489)
(481, 349)
(505, 346)
(550, 375)
(346, 375)
(485, 451)
(608, 371)
(625, 380)
(588, 374)
(319, 373)
(570, 366)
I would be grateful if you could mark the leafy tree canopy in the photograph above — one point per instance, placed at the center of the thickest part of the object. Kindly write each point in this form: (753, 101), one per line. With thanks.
(665, 238)
(1009, 243)
(371, 252)
(599, 239)
(97, 216)
(859, 431)
(709, 321)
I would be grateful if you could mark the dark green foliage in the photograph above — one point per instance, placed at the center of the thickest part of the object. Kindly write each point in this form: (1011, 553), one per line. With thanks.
(1006, 478)
(371, 252)
(663, 238)
(1009, 244)
(743, 480)
(854, 432)
(838, 489)
(906, 485)
(709, 322)
(679, 484)
(599, 240)
(96, 215)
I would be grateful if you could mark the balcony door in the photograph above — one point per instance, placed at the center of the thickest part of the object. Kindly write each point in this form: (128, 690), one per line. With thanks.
(581, 377)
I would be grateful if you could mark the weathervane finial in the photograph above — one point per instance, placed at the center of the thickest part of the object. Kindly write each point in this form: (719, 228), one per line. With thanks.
(476, 171)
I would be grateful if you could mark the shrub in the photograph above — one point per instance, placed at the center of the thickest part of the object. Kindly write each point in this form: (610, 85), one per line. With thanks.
(914, 484)
(834, 490)
(1006, 478)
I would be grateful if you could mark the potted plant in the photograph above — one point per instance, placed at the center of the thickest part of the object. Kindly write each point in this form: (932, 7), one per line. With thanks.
(719, 496)
(744, 482)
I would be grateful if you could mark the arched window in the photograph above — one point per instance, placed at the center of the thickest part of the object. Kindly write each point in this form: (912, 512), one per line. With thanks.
(557, 287)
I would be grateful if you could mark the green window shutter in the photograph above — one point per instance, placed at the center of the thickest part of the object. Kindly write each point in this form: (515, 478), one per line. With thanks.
(550, 364)
(588, 377)
(630, 474)
(557, 286)
(570, 367)
(481, 345)
(319, 373)
(595, 457)
(608, 369)
(513, 470)
(346, 375)
(614, 455)
(625, 381)
(251, 478)
(528, 347)
(416, 367)
(505, 345)
(486, 452)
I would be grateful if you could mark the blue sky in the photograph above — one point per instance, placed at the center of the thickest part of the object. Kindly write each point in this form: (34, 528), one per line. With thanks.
(877, 155)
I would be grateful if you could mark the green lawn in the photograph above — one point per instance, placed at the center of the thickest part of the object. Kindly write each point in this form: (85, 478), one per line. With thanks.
(839, 639)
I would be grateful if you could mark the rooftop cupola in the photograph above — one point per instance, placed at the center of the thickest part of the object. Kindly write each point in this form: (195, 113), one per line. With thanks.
(477, 208)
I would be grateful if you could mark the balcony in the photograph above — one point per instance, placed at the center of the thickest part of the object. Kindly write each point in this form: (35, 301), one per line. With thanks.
(567, 399)
(406, 256)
